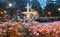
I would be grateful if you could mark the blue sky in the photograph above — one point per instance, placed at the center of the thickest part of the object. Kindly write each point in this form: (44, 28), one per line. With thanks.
(43, 3)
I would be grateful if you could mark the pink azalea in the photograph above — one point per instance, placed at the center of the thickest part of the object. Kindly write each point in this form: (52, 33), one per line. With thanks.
(34, 32)
(37, 34)
(11, 28)
(56, 34)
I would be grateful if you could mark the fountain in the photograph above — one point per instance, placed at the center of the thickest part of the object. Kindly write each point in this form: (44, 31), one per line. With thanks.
(30, 14)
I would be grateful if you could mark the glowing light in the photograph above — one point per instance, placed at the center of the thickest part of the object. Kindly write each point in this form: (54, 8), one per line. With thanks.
(59, 9)
(2, 13)
(35, 13)
(28, 15)
(49, 13)
(10, 4)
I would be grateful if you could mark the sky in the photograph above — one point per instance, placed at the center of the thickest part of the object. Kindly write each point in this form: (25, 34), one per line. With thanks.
(43, 3)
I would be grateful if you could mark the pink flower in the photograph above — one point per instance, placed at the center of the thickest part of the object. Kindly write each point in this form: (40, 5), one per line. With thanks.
(56, 34)
(34, 32)
(37, 34)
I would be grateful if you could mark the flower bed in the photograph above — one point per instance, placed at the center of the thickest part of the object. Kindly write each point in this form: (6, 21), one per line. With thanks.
(30, 29)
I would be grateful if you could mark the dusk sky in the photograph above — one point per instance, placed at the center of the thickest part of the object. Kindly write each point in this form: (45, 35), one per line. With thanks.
(43, 3)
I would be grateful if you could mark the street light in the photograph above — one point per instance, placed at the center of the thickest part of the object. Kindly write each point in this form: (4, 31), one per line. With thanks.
(1, 13)
(10, 5)
(4, 11)
(58, 9)
(49, 13)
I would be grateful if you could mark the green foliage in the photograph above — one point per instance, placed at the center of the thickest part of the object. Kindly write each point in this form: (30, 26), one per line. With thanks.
(18, 20)
(2, 5)
(3, 20)
(23, 31)
(51, 7)
(36, 6)
(21, 4)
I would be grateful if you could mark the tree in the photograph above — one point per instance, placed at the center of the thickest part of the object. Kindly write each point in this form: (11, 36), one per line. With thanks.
(21, 4)
(2, 5)
(50, 7)
(36, 6)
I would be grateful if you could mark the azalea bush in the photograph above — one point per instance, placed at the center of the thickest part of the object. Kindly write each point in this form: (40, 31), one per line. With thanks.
(18, 20)
(34, 28)
(3, 20)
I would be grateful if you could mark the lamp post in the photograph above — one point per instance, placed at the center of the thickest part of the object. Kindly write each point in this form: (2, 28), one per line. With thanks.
(4, 11)
(58, 9)
(49, 13)
(10, 4)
